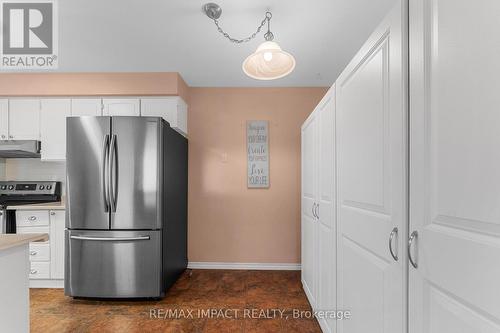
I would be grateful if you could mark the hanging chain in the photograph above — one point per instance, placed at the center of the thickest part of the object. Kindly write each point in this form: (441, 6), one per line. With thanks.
(252, 36)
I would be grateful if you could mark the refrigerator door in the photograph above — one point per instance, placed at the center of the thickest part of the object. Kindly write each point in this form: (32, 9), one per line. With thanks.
(135, 173)
(86, 166)
(113, 264)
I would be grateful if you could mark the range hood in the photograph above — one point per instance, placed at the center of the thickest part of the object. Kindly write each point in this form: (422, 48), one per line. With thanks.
(20, 149)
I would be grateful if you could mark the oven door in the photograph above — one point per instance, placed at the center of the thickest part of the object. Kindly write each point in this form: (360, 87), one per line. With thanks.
(113, 264)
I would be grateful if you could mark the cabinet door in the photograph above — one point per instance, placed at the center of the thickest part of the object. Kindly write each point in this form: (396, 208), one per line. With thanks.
(325, 212)
(4, 119)
(53, 115)
(172, 109)
(121, 107)
(308, 202)
(24, 119)
(86, 107)
(371, 154)
(454, 174)
(57, 244)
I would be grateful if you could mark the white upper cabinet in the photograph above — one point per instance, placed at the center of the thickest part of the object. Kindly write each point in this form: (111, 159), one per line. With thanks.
(121, 107)
(172, 109)
(86, 107)
(53, 127)
(4, 119)
(24, 119)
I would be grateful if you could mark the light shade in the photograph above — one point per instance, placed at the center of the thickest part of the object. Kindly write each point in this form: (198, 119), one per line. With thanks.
(268, 62)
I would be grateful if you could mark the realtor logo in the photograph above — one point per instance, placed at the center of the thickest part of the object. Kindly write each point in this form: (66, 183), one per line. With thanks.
(29, 39)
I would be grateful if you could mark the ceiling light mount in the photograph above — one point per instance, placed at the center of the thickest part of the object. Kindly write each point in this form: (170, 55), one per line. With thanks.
(269, 61)
(212, 10)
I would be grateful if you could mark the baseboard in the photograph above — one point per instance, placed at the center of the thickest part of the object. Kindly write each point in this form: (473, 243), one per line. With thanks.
(245, 266)
(46, 283)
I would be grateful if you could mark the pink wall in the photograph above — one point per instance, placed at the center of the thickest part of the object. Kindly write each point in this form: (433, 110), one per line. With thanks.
(93, 84)
(227, 221)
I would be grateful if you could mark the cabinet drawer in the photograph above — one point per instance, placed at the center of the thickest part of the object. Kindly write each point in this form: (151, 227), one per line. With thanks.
(31, 218)
(40, 270)
(40, 251)
(32, 230)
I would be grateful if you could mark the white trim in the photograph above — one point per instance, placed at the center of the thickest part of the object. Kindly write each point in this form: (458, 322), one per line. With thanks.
(46, 283)
(245, 265)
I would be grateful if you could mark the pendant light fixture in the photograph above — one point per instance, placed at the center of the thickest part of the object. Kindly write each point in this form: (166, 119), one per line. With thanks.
(269, 61)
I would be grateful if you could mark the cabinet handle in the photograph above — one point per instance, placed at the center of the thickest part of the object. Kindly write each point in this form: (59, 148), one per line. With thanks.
(317, 211)
(52, 213)
(3, 136)
(11, 136)
(391, 237)
(33, 271)
(33, 253)
(32, 218)
(313, 209)
(413, 236)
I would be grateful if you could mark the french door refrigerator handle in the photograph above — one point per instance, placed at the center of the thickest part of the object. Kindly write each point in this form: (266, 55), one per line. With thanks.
(111, 239)
(104, 172)
(113, 174)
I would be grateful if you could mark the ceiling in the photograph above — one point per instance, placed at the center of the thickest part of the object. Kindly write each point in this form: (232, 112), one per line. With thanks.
(174, 35)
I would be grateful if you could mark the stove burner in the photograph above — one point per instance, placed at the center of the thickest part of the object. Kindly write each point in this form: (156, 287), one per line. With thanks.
(15, 193)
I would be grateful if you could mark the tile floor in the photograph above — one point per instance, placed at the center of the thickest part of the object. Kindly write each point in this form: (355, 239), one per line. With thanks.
(242, 293)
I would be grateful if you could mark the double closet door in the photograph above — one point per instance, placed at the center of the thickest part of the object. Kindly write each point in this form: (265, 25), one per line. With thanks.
(318, 208)
(417, 193)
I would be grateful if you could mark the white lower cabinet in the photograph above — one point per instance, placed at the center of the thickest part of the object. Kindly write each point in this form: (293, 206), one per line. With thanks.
(57, 223)
(46, 258)
(318, 209)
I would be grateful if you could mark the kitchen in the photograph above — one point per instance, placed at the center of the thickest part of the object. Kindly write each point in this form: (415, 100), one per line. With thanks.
(328, 166)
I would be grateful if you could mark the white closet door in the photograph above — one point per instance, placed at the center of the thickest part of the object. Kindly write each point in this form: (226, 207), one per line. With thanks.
(455, 166)
(371, 118)
(326, 210)
(309, 198)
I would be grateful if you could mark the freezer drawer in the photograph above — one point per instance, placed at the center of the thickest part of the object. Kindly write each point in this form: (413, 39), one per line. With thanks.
(113, 264)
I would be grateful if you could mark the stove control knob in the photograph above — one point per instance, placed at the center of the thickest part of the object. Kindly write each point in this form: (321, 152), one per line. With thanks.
(11, 187)
(3, 187)
(41, 187)
(49, 187)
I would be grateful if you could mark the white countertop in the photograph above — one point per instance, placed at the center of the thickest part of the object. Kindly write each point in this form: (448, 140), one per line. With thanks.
(11, 240)
(61, 205)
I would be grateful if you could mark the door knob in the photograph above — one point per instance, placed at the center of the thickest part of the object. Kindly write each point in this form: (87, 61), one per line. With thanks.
(413, 237)
(394, 232)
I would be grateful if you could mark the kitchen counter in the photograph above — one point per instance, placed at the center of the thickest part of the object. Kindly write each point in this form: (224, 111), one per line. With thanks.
(8, 241)
(61, 205)
(14, 280)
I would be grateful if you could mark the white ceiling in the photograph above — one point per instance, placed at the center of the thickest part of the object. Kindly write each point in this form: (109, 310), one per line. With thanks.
(174, 35)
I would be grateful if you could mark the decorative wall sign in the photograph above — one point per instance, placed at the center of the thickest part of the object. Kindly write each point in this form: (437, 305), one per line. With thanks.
(258, 154)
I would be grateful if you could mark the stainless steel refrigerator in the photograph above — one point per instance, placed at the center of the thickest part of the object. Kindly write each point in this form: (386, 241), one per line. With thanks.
(126, 214)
